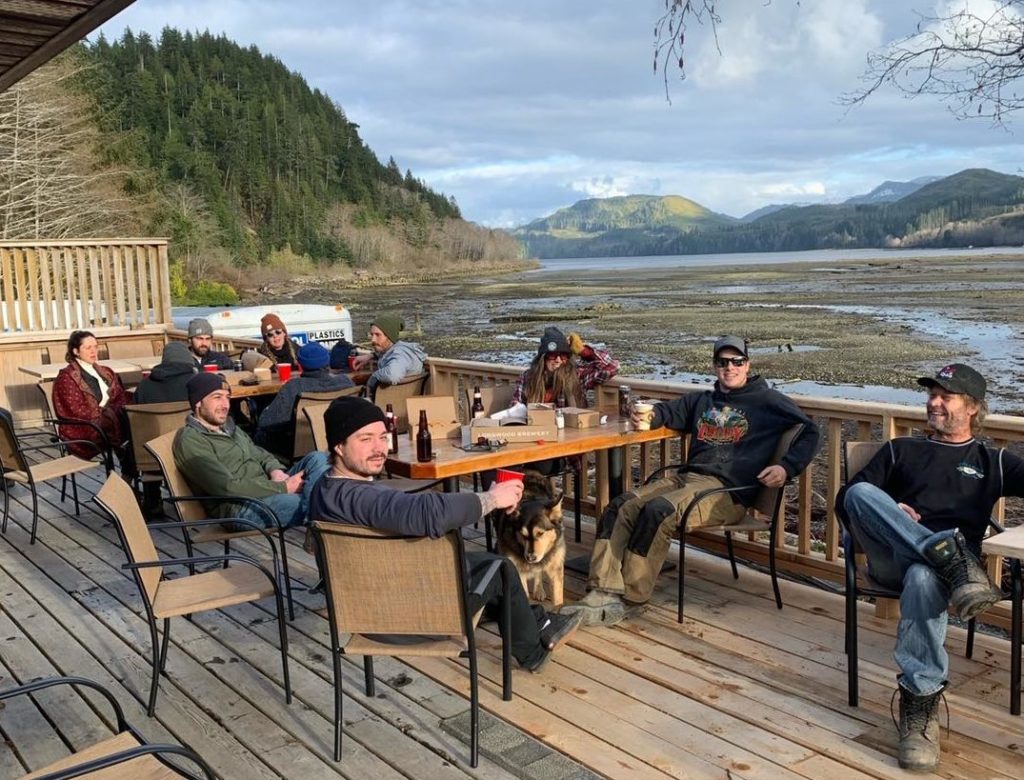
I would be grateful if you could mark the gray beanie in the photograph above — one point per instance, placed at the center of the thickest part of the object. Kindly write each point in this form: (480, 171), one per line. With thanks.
(199, 327)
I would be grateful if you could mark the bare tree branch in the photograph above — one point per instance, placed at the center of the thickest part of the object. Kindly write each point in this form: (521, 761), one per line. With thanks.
(973, 62)
(670, 34)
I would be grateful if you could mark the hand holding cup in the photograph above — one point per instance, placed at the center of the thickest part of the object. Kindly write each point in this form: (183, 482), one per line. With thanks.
(641, 415)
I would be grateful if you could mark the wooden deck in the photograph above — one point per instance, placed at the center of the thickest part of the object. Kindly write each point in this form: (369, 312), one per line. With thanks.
(741, 690)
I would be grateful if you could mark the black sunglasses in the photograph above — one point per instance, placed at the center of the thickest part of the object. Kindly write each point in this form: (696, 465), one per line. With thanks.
(735, 361)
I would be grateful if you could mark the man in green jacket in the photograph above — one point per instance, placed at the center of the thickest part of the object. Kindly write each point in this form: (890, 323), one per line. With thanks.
(219, 459)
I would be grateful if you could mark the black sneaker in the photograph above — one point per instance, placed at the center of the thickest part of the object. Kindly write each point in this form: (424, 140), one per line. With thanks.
(557, 628)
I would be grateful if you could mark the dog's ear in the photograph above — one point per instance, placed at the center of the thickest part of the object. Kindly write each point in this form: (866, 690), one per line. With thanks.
(555, 500)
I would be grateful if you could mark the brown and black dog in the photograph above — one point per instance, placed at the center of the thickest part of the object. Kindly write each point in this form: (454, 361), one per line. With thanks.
(532, 538)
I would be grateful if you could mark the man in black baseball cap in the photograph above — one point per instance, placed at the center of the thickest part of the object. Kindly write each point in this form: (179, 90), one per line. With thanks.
(919, 510)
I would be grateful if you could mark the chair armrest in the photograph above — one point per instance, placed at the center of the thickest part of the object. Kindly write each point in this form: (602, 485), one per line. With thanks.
(206, 559)
(184, 524)
(715, 491)
(130, 754)
(59, 443)
(50, 682)
(488, 575)
(248, 500)
(677, 466)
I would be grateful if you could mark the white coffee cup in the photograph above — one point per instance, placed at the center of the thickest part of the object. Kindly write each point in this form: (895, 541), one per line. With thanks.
(643, 413)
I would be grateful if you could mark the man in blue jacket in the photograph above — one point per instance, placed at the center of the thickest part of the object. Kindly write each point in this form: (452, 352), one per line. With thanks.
(396, 359)
(734, 430)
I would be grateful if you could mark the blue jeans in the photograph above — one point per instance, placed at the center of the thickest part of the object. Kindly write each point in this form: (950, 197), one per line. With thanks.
(291, 508)
(892, 540)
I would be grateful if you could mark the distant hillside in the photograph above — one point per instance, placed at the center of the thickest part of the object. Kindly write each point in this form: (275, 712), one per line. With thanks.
(243, 163)
(888, 191)
(974, 207)
(605, 225)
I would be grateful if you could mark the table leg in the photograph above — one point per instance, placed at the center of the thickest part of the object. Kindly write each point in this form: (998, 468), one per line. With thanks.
(616, 483)
(451, 484)
(1015, 638)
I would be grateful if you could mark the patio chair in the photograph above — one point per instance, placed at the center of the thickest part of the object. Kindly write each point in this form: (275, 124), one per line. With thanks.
(124, 756)
(379, 583)
(51, 418)
(303, 442)
(16, 468)
(396, 395)
(767, 503)
(187, 594)
(196, 525)
(856, 455)
(145, 423)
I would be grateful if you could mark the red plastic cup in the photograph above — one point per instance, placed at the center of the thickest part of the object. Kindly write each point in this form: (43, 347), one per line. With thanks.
(284, 371)
(352, 361)
(507, 475)
(210, 368)
(145, 373)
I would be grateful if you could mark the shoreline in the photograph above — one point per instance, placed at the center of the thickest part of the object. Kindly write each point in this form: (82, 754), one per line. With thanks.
(873, 322)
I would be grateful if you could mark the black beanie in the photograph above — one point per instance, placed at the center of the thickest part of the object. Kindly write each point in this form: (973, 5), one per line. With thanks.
(201, 385)
(348, 414)
(553, 342)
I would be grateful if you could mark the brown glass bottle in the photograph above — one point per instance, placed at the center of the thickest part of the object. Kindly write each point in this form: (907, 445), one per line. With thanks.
(478, 403)
(424, 449)
(392, 425)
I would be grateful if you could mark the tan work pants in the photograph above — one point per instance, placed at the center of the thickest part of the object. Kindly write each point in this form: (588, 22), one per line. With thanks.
(629, 560)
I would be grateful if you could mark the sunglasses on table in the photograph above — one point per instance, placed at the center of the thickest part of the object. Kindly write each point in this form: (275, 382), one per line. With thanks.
(730, 361)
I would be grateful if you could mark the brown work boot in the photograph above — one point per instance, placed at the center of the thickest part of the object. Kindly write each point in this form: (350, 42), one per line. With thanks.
(971, 591)
(919, 730)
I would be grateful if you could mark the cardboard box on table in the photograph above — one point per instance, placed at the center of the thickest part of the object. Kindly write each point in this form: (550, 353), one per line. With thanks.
(581, 418)
(442, 418)
(540, 426)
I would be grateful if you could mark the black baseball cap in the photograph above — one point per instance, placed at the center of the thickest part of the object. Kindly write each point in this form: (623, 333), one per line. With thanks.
(740, 345)
(957, 378)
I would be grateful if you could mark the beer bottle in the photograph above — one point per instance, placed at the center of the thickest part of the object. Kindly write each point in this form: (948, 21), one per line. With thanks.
(560, 402)
(391, 422)
(424, 450)
(478, 403)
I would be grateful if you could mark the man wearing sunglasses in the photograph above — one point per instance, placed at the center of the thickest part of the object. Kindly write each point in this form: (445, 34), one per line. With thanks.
(734, 430)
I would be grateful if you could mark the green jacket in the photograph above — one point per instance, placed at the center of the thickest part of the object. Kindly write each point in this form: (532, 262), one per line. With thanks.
(224, 464)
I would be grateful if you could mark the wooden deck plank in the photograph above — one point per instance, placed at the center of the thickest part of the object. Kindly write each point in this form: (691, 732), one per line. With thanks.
(739, 690)
(421, 758)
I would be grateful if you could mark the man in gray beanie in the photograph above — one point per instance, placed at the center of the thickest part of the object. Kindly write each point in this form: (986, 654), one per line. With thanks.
(358, 441)
(200, 344)
(219, 459)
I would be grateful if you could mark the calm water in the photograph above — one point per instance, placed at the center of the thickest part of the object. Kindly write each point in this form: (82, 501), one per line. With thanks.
(761, 258)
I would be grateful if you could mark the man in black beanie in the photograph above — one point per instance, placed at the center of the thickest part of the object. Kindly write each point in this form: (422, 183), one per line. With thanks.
(358, 442)
(219, 459)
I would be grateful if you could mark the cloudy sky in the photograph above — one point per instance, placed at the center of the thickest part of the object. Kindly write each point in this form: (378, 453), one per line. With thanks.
(519, 108)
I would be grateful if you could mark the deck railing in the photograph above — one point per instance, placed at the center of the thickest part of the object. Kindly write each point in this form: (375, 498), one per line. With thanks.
(811, 545)
(83, 284)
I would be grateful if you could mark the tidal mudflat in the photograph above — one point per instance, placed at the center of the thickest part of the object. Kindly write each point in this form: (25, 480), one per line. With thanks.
(861, 329)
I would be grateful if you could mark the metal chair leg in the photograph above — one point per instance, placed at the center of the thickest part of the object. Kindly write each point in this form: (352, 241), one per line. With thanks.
(74, 493)
(35, 514)
(155, 682)
(336, 654)
(474, 710)
(286, 575)
(368, 680)
(682, 571)
(732, 555)
(282, 632)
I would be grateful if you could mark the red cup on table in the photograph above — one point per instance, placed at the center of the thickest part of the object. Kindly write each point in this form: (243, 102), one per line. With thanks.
(508, 475)
(210, 368)
(352, 357)
(284, 371)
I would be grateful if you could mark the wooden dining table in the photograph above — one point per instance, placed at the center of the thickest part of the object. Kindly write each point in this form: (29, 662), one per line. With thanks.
(48, 371)
(1010, 544)
(450, 462)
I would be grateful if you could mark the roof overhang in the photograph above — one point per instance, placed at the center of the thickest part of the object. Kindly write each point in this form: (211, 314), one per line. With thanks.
(34, 31)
